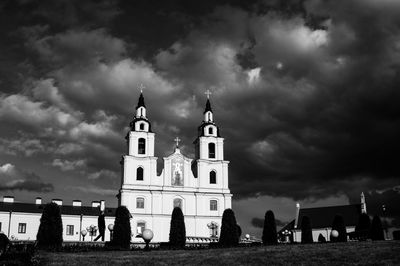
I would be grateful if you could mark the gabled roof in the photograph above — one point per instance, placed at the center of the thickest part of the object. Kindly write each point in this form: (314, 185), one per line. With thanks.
(322, 217)
(65, 209)
(288, 226)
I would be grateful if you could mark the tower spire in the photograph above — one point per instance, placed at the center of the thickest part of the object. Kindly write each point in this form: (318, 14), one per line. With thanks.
(208, 114)
(363, 204)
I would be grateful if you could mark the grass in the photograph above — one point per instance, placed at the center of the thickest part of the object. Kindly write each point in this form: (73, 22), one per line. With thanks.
(352, 253)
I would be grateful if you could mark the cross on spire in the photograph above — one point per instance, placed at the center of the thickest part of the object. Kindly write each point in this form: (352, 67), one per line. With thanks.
(208, 93)
(141, 87)
(177, 140)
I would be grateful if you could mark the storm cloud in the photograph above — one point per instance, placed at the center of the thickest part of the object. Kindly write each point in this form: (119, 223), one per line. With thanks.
(305, 92)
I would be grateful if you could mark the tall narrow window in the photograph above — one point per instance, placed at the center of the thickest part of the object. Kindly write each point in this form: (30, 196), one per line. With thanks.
(213, 205)
(21, 228)
(140, 227)
(142, 146)
(213, 177)
(178, 203)
(210, 130)
(211, 150)
(70, 230)
(141, 126)
(139, 173)
(139, 203)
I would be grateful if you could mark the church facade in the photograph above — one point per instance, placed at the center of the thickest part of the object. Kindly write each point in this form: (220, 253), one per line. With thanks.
(199, 186)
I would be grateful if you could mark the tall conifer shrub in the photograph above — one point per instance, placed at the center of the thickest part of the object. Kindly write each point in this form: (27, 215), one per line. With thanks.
(50, 233)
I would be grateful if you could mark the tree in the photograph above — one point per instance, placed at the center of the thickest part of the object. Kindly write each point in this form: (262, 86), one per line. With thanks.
(376, 232)
(50, 233)
(4, 243)
(363, 226)
(269, 236)
(229, 230)
(177, 232)
(239, 230)
(340, 227)
(122, 228)
(306, 231)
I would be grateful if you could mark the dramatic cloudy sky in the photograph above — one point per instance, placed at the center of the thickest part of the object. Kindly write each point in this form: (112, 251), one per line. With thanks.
(306, 94)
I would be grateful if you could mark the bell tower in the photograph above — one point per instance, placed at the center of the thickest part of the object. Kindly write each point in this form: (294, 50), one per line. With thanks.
(210, 167)
(139, 166)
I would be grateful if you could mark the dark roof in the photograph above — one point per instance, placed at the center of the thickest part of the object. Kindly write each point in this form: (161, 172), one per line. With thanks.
(323, 217)
(200, 129)
(135, 119)
(288, 227)
(65, 209)
(141, 101)
(208, 106)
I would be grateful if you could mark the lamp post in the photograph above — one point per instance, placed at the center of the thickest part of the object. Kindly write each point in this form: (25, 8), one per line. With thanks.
(92, 229)
(384, 220)
(111, 228)
(147, 236)
(83, 233)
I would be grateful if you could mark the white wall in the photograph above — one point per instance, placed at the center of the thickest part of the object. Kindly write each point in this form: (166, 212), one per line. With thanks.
(326, 232)
(32, 221)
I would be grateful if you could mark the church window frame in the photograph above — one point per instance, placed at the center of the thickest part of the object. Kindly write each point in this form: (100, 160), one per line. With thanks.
(211, 150)
(140, 227)
(69, 230)
(141, 126)
(213, 177)
(140, 173)
(213, 205)
(139, 203)
(141, 146)
(22, 228)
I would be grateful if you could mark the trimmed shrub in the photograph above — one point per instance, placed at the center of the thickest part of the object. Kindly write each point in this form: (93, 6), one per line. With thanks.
(50, 233)
(239, 230)
(269, 236)
(229, 230)
(396, 235)
(321, 238)
(177, 232)
(376, 232)
(306, 231)
(340, 227)
(122, 228)
(363, 227)
(4, 243)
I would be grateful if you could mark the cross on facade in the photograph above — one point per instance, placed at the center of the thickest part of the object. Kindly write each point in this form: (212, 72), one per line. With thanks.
(177, 140)
(208, 93)
(141, 87)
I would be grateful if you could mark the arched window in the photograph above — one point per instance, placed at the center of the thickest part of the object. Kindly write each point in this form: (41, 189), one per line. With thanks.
(178, 203)
(211, 150)
(141, 126)
(139, 173)
(142, 146)
(213, 177)
(210, 130)
(139, 203)
(213, 205)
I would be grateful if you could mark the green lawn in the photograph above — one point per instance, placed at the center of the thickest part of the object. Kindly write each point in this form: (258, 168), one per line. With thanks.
(352, 253)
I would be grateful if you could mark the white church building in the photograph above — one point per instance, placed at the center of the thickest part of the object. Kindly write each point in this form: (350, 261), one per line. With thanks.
(199, 186)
